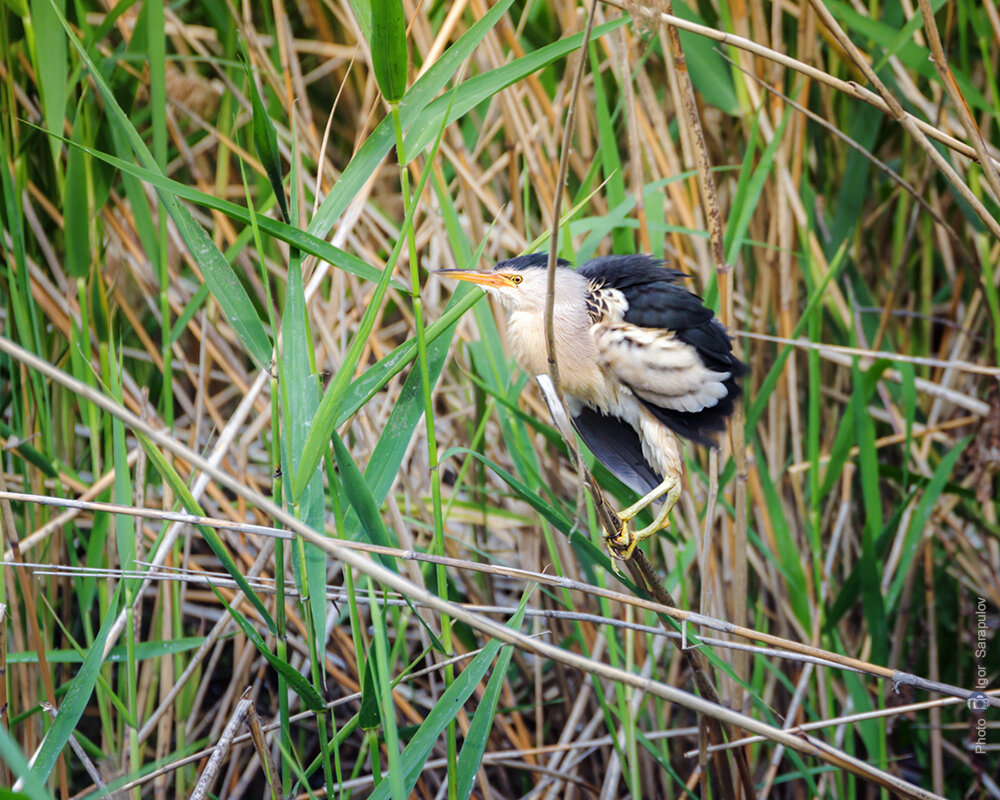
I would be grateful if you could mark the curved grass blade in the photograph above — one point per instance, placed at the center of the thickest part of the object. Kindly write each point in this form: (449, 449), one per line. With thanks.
(551, 513)
(296, 680)
(366, 386)
(78, 696)
(226, 287)
(918, 523)
(476, 739)
(282, 231)
(480, 87)
(394, 440)
(361, 500)
(382, 139)
(34, 789)
(418, 749)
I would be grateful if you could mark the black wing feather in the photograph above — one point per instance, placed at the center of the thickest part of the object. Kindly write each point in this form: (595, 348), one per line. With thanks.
(617, 446)
(655, 300)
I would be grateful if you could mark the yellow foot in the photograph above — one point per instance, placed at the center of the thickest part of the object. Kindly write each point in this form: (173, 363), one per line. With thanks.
(621, 545)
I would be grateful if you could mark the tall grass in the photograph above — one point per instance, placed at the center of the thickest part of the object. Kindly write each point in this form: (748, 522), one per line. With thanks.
(283, 519)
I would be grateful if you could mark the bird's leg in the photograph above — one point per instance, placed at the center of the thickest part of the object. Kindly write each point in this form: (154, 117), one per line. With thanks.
(623, 543)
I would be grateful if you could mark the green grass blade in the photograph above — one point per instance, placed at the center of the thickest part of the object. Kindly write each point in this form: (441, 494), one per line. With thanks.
(34, 789)
(389, 55)
(915, 57)
(169, 474)
(226, 287)
(482, 722)
(323, 425)
(26, 451)
(76, 203)
(265, 139)
(522, 490)
(361, 500)
(610, 157)
(382, 139)
(759, 403)
(481, 87)
(846, 435)
(50, 65)
(299, 399)
(369, 716)
(871, 574)
(749, 190)
(451, 701)
(305, 242)
(709, 71)
(377, 376)
(389, 451)
(78, 696)
(788, 556)
(918, 523)
(143, 651)
(296, 680)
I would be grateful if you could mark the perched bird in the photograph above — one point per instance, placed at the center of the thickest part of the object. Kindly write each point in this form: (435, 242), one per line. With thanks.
(641, 361)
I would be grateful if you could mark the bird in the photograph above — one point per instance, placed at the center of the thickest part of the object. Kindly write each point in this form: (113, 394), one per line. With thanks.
(642, 362)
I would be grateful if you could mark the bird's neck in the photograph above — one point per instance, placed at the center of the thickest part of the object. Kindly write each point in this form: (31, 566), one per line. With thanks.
(576, 353)
(526, 333)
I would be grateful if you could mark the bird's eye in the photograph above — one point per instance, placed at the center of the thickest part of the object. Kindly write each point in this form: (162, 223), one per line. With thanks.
(516, 278)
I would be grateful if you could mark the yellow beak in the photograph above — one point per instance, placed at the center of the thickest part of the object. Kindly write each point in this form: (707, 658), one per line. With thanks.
(493, 280)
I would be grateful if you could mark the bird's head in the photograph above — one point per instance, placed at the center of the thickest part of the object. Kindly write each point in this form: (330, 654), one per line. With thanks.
(519, 283)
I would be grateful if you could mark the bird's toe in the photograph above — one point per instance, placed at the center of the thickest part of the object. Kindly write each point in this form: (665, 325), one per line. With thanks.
(621, 545)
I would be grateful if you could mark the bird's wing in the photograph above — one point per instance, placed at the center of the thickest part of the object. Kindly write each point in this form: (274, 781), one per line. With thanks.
(616, 445)
(662, 342)
(660, 367)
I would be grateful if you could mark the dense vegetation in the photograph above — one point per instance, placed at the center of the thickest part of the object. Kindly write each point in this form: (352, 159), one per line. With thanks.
(218, 231)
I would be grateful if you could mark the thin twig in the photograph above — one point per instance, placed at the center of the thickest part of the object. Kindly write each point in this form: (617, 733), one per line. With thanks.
(222, 748)
(940, 61)
(81, 754)
(609, 521)
(713, 212)
(888, 355)
(847, 87)
(850, 719)
(903, 118)
(147, 513)
(858, 148)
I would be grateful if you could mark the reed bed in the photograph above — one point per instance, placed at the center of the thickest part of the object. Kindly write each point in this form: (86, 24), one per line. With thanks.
(282, 518)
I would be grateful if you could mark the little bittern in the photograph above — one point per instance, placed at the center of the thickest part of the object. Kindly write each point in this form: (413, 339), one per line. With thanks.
(641, 362)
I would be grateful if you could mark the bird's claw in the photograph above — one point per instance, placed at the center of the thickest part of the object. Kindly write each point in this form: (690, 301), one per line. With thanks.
(622, 542)
(621, 545)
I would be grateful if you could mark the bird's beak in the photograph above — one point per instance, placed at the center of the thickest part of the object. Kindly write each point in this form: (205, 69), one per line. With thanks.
(492, 280)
